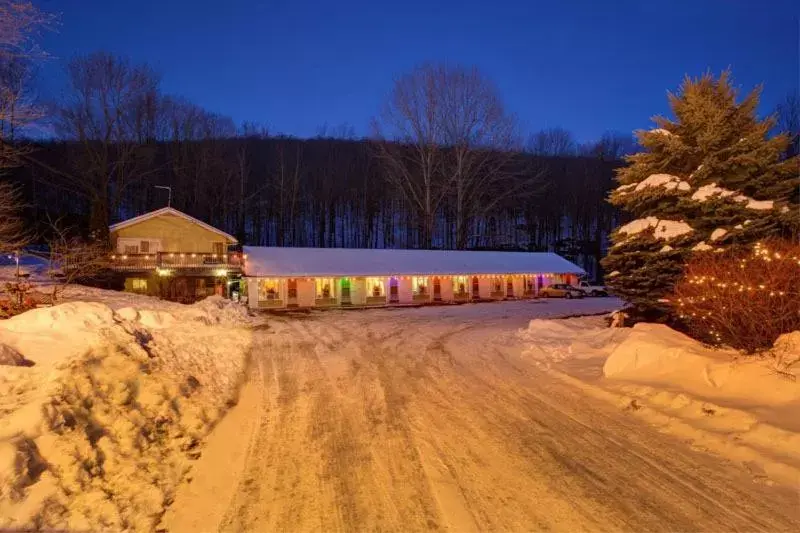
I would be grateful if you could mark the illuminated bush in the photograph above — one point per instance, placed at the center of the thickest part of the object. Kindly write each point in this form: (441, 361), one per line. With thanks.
(742, 299)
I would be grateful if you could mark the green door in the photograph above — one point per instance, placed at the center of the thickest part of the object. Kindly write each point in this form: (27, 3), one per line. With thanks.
(346, 291)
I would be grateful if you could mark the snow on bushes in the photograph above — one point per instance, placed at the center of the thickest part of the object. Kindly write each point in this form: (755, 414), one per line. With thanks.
(745, 300)
(100, 430)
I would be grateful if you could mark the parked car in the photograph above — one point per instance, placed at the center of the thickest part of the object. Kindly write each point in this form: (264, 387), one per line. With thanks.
(561, 290)
(592, 290)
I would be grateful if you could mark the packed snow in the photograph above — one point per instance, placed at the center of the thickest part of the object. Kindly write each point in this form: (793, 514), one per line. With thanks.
(702, 247)
(666, 248)
(103, 421)
(667, 181)
(662, 229)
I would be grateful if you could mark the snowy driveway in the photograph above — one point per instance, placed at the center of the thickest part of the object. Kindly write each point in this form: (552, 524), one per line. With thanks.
(433, 419)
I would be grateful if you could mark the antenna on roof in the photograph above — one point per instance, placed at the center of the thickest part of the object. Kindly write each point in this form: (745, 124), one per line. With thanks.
(169, 198)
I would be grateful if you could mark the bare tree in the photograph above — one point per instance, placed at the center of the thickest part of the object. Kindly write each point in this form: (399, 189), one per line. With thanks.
(20, 23)
(445, 132)
(481, 146)
(612, 146)
(410, 139)
(13, 234)
(73, 259)
(552, 141)
(788, 121)
(108, 110)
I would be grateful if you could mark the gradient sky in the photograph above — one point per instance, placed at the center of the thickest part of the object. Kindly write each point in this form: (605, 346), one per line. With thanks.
(588, 66)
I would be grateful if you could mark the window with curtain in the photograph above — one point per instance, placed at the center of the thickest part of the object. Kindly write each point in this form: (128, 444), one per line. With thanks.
(375, 287)
(325, 288)
(268, 289)
(497, 284)
(460, 284)
(419, 285)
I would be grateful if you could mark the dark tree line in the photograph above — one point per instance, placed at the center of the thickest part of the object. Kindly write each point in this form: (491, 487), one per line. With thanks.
(330, 193)
(445, 169)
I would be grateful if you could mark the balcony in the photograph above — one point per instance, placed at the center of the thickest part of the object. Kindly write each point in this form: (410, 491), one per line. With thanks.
(197, 262)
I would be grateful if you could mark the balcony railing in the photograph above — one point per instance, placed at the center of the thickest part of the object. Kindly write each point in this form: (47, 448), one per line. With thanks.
(177, 260)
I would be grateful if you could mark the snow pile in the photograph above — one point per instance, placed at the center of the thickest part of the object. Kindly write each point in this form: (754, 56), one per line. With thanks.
(580, 338)
(663, 229)
(705, 192)
(666, 248)
(100, 431)
(702, 247)
(666, 181)
(743, 408)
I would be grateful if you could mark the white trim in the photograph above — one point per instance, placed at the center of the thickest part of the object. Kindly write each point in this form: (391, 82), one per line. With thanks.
(170, 211)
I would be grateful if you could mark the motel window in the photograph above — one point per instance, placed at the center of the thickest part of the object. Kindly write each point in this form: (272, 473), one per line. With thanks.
(268, 289)
(460, 284)
(325, 288)
(497, 284)
(375, 287)
(419, 285)
(139, 284)
(529, 284)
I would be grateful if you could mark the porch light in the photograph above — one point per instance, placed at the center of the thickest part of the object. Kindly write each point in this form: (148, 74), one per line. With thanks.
(124, 256)
(194, 255)
(214, 256)
(244, 256)
(112, 257)
(172, 255)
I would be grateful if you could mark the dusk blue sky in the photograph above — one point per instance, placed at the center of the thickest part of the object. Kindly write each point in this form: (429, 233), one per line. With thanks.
(588, 66)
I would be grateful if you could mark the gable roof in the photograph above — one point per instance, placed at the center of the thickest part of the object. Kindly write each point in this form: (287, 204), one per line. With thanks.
(169, 211)
(311, 262)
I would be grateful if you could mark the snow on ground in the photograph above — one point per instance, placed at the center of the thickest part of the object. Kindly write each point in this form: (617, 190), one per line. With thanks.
(448, 418)
(101, 429)
(743, 408)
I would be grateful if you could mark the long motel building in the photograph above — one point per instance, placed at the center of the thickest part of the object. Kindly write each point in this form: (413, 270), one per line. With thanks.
(341, 277)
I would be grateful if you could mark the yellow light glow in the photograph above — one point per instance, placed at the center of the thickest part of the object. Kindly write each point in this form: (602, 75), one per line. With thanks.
(220, 272)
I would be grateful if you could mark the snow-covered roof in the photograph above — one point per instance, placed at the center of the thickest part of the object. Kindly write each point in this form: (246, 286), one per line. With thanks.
(297, 262)
(170, 211)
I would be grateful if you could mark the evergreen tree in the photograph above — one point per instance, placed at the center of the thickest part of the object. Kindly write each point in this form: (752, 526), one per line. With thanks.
(709, 179)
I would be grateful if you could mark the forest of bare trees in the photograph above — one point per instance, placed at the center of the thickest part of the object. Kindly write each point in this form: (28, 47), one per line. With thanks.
(445, 166)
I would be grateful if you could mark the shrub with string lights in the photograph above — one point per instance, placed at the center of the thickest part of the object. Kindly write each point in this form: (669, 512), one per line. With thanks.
(742, 299)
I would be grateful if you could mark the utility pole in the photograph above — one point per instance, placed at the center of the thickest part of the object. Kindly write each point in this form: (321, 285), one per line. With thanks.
(169, 198)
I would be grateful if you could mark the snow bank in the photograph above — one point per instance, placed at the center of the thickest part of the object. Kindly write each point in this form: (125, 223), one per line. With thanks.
(661, 131)
(702, 247)
(657, 354)
(574, 338)
(663, 229)
(101, 430)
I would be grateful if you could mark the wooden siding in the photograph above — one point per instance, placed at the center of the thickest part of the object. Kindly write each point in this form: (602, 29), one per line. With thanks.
(175, 233)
